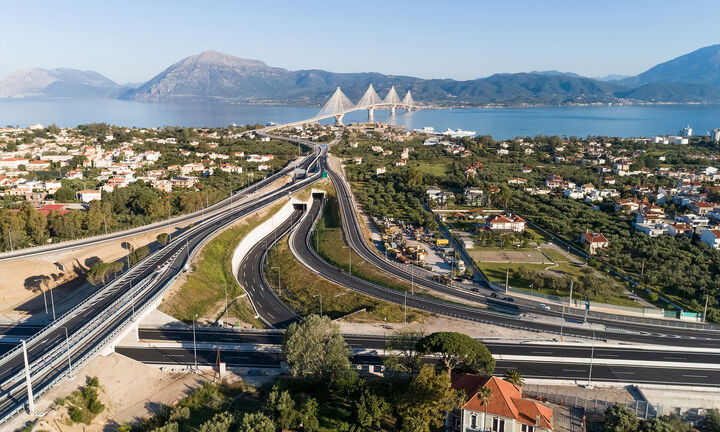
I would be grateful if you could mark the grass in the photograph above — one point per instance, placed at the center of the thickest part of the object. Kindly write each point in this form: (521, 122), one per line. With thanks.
(203, 288)
(299, 286)
(330, 242)
(553, 254)
(435, 169)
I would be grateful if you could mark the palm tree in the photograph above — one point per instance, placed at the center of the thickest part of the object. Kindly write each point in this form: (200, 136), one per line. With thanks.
(514, 377)
(484, 394)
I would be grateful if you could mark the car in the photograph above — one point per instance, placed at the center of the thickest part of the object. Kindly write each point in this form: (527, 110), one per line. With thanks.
(543, 306)
(493, 295)
(474, 289)
(510, 299)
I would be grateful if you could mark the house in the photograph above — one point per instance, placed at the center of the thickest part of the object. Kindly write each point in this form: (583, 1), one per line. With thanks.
(70, 175)
(53, 208)
(679, 229)
(502, 223)
(711, 237)
(88, 195)
(595, 240)
(401, 163)
(263, 167)
(380, 170)
(357, 160)
(505, 411)
(473, 196)
(37, 165)
(183, 182)
(516, 181)
(700, 207)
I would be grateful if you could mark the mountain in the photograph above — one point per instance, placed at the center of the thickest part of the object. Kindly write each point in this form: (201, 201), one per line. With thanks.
(215, 76)
(612, 77)
(554, 72)
(701, 66)
(57, 83)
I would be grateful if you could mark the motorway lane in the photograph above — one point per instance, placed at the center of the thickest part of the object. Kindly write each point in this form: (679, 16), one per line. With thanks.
(11, 392)
(211, 335)
(19, 329)
(301, 247)
(273, 311)
(535, 369)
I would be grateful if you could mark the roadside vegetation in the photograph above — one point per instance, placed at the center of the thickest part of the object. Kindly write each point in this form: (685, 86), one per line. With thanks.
(619, 418)
(83, 405)
(204, 288)
(324, 392)
(300, 289)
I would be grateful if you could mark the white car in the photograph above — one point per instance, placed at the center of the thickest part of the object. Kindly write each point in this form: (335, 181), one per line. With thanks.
(543, 306)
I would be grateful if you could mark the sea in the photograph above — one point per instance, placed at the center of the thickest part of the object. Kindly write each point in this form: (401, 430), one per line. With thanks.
(501, 123)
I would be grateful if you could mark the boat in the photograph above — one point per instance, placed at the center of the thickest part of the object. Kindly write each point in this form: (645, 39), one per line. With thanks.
(426, 130)
(458, 133)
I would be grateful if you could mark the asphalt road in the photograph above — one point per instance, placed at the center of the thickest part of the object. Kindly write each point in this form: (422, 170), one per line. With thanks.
(532, 369)
(209, 335)
(11, 381)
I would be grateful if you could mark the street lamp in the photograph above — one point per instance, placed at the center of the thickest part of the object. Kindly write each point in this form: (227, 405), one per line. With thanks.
(349, 257)
(278, 272)
(67, 346)
(226, 303)
(195, 341)
(52, 302)
(319, 295)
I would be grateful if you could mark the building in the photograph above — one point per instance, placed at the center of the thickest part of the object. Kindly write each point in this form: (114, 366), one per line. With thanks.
(474, 196)
(505, 411)
(88, 195)
(711, 237)
(595, 240)
(502, 223)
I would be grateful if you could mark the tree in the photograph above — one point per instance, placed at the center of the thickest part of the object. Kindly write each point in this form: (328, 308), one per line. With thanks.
(458, 350)
(281, 407)
(427, 400)
(484, 394)
(315, 349)
(101, 271)
(619, 419)
(169, 427)
(658, 424)
(308, 415)
(712, 420)
(221, 422)
(514, 377)
(370, 409)
(257, 422)
(64, 194)
(402, 346)
(162, 239)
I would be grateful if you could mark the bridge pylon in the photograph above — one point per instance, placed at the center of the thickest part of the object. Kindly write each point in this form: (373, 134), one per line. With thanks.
(338, 119)
(371, 117)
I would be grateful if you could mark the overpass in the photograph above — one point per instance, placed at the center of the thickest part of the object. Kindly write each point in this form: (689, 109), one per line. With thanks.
(338, 105)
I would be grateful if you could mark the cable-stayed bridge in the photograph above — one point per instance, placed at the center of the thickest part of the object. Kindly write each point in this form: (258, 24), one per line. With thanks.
(339, 104)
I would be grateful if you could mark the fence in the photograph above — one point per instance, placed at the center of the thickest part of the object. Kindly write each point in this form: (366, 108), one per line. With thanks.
(643, 408)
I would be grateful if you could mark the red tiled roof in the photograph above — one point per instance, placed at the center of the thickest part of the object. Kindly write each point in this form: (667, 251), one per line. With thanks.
(595, 238)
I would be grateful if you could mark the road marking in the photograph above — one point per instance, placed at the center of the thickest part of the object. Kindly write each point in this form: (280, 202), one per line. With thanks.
(695, 376)
(624, 373)
(574, 370)
(606, 355)
(540, 352)
(675, 358)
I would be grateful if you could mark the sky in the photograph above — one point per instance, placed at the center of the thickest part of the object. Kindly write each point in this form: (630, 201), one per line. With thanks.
(131, 41)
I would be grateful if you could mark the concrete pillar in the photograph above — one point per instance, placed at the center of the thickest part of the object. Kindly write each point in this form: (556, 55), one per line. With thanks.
(338, 119)
(392, 110)
(370, 114)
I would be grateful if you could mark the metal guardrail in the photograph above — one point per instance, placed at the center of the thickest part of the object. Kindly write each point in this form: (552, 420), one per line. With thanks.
(644, 409)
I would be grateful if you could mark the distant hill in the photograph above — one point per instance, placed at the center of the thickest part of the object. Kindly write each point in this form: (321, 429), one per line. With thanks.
(216, 76)
(57, 83)
(212, 75)
(698, 67)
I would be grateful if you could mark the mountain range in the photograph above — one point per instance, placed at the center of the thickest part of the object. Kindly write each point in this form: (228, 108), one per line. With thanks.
(210, 76)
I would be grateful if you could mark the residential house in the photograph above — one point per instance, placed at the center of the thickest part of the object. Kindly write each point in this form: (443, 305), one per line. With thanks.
(506, 410)
(700, 207)
(381, 170)
(630, 205)
(595, 241)
(711, 237)
(88, 195)
(680, 229)
(183, 182)
(502, 223)
(474, 196)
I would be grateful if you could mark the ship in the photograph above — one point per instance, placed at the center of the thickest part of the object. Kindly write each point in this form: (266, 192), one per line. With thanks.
(426, 130)
(458, 133)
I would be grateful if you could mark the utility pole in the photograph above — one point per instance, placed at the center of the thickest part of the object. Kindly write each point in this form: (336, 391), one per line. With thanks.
(405, 304)
(507, 279)
(226, 303)
(132, 301)
(562, 322)
(67, 347)
(705, 311)
(349, 257)
(572, 282)
(592, 354)
(52, 302)
(31, 400)
(10, 239)
(104, 222)
(642, 273)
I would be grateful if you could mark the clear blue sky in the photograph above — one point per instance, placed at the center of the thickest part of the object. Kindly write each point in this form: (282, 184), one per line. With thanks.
(131, 41)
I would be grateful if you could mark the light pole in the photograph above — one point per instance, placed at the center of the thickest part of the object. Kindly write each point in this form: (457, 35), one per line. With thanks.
(195, 341)
(592, 354)
(132, 301)
(278, 272)
(349, 257)
(67, 346)
(52, 302)
(405, 305)
(226, 303)
(319, 295)
(412, 279)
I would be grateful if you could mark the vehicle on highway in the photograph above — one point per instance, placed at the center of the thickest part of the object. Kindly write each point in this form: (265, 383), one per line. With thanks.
(510, 299)
(494, 295)
(543, 306)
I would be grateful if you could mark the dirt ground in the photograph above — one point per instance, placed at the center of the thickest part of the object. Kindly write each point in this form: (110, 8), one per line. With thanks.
(530, 256)
(130, 390)
(21, 281)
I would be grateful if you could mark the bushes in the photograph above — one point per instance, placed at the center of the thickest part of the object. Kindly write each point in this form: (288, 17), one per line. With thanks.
(84, 404)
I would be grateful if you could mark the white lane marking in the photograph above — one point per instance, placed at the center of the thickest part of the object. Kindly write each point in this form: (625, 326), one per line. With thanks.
(695, 376)
(675, 358)
(606, 355)
(574, 370)
(624, 373)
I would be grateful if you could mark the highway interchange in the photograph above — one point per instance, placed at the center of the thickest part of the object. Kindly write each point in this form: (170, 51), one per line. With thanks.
(112, 308)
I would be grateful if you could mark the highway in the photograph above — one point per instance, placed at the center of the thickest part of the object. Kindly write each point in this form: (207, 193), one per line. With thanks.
(111, 307)
(227, 337)
(536, 368)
